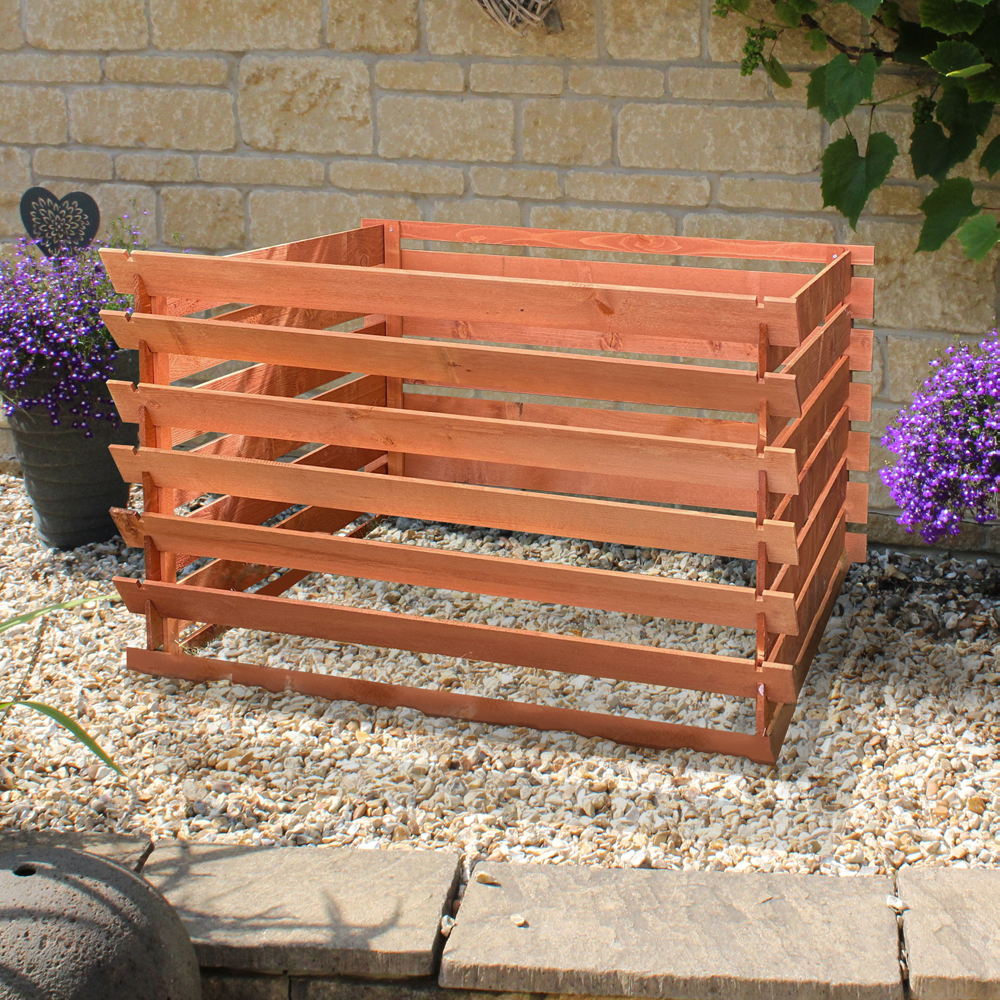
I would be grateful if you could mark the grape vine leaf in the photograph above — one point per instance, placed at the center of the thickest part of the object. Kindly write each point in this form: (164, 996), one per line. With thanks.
(985, 88)
(945, 209)
(777, 72)
(817, 39)
(950, 16)
(866, 7)
(849, 178)
(839, 86)
(914, 41)
(957, 112)
(955, 57)
(990, 160)
(979, 235)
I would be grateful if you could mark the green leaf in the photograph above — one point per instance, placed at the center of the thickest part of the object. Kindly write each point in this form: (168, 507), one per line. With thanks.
(29, 616)
(964, 74)
(979, 236)
(787, 14)
(849, 178)
(945, 208)
(957, 113)
(987, 36)
(954, 57)
(951, 17)
(990, 160)
(890, 14)
(840, 85)
(777, 72)
(985, 89)
(866, 7)
(67, 723)
(817, 39)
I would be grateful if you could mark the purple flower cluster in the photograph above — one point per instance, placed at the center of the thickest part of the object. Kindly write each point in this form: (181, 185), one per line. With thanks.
(54, 350)
(948, 444)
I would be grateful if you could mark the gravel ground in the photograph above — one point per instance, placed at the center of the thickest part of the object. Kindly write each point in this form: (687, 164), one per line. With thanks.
(891, 759)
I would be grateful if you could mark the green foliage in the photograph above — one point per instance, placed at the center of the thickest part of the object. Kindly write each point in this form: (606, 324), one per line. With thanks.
(951, 50)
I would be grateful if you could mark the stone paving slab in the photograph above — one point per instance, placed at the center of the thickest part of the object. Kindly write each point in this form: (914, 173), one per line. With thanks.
(234, 986)
(355, 989)
(306, 910)
(683, 935)
(952, 931)
(129, 852)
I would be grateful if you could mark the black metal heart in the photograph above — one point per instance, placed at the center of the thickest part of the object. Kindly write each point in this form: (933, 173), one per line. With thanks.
(59, 224)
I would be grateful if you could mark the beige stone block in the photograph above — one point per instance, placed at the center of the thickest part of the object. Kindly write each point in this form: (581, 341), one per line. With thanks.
(463, 29)
(34, 67)
(652, 29)
(795, 94)
(11, 36)
(10, 210)
(188, 70)
(478, 212)
(155, 167)
(764, 192)
(602, 220)
(83, 24)
(616, 81)
(440, 128)
(927, 291)
(645, 189)
(896, 199)
(393, 75)
(15, 179)
(156, 117)
(717, 84)
(84, 163)
(561, 131)
(686, 137)
(716, 225)
(386, 26)
(515, 78)
(512, 183)
(206, 218)
(909, 358)
(257, 170)
(32, 115)
(235, 25)
(135, 202)
(282, 216)
(407, 178)
(879, 496)
(305, 105)
(895, 88)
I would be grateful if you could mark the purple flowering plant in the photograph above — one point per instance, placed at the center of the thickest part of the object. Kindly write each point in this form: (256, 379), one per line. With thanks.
(948, 444)
(54, 350)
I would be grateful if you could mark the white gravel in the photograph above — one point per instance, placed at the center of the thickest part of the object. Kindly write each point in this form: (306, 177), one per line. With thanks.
(891, 759)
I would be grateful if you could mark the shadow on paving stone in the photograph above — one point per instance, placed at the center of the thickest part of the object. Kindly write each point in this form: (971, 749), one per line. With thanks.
(129, 852)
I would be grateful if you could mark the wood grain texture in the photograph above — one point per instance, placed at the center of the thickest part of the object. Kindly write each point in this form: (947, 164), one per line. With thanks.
(578, 449)
(493, 711)
(824, 293)
(517, 647)
(631, 243)
(567, 517)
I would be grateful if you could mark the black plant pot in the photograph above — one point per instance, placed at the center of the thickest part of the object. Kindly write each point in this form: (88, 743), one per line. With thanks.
(71, 479)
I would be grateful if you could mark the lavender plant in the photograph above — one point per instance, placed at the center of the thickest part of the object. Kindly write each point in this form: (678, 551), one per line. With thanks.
(948, 444)
(54, 350)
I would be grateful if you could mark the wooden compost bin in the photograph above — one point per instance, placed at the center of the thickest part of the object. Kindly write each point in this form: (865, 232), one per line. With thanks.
(378, 445)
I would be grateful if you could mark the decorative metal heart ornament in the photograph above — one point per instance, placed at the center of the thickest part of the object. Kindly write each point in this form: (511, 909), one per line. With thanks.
(59, 224)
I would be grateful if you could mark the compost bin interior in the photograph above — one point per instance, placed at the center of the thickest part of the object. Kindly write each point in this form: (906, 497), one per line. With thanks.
(523, 407)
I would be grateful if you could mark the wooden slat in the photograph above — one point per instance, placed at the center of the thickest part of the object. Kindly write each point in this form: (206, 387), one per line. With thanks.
(360, 247)
(818, 353)
(575, 586)
(856, 545)
(498, 369)
(630, 421)
(818, 412)
(563, 305)
(862, 345)
(568, 517)
(859, 401)
(492, 711)
(816, 472)
(578, 449)
(631, 243)
(859, 451)
(824, 293)
(517, 647)
(856, 504)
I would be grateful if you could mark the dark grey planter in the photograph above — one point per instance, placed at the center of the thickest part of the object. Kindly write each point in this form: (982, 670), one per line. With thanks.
(72, 480)
(78, 927)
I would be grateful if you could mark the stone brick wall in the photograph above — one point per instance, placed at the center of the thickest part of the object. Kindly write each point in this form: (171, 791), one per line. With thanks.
(245, 122)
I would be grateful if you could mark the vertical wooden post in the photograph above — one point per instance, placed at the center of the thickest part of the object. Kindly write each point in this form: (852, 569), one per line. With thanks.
(154, 367)
(393, 328)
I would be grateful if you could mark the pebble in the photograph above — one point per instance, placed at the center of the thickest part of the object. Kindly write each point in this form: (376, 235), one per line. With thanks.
(891, 759)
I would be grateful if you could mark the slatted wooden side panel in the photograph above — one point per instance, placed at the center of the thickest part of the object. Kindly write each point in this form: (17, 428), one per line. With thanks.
(336, 403)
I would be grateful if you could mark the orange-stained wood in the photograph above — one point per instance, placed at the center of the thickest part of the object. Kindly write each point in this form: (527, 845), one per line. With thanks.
(567, 517)
(493, 711)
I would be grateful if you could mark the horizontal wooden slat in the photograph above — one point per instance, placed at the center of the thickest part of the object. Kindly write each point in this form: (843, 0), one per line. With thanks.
(361, 247)
(568, 517)
(480, 367)
(630, 243)
(857, 502)
(662, 597)
(580, 449)
(492, 711)
(856, 545)
(517, 647)
(563, 305)
(859, 401)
